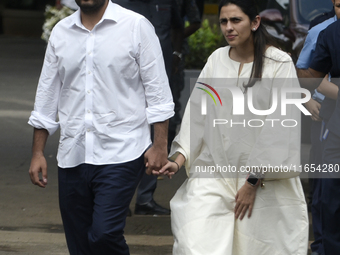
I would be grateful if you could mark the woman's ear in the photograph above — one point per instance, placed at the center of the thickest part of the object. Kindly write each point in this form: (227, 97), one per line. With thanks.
(256, 23)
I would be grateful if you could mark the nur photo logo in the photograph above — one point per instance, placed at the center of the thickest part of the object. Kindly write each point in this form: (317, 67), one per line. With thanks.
(279, 100)
(204, 98)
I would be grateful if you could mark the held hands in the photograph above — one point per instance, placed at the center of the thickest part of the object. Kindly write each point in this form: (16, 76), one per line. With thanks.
(169, 169)
(245, 199)
(38, 165)
(155, 158)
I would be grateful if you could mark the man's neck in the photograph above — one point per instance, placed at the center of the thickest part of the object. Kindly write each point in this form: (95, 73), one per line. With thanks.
(89, 20)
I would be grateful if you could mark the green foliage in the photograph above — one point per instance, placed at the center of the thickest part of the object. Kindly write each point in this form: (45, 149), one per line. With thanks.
(201, 44)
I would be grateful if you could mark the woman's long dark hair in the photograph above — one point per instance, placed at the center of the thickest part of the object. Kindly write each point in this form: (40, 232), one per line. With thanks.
(261, 37)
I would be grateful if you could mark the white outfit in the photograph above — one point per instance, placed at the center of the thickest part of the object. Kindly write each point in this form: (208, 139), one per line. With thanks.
(70, 4)
(202, 210)
(106, 86)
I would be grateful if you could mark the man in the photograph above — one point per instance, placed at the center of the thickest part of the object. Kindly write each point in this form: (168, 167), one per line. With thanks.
(326, 60)
(321, 18)
(313, 106)
(164, 16)
(104, 76)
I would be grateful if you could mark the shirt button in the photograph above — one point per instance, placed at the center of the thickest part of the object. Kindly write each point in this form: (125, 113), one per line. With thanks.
(89, 52)
(89, 72)
(91, 34)
(88, 92)
(88, 130)
(88, 111)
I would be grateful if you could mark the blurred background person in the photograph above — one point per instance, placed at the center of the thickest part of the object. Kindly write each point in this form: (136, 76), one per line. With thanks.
(321, 109)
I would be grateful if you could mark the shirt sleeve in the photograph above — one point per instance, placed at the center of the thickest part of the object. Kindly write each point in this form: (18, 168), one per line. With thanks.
(45, 110)
(160, 106)
(192, 12)
(306, 53)
(176, 20)
(322, 61)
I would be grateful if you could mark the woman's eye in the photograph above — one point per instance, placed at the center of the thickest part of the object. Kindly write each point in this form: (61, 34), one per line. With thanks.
(223, 21)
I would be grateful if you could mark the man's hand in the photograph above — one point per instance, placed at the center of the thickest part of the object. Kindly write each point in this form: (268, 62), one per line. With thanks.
(157, 156)
(155, 159)
(38, 165)
(313, 107)
(38, 162)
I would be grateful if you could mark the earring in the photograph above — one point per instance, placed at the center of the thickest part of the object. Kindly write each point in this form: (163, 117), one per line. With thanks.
(254, 29)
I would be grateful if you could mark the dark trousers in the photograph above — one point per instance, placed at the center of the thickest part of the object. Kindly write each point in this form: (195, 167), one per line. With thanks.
(316, 158)
(93, 202)
(330, 211)
(146, 189)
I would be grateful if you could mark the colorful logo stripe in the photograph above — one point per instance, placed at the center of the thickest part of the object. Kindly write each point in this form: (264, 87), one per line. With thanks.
(218, 96)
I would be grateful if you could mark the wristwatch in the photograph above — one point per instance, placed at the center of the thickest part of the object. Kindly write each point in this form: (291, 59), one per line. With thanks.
(252, 179)
(178, 54)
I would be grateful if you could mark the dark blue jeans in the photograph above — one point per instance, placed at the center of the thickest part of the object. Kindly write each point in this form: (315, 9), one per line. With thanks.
(93, 203)
(330, 209)
(316, 158)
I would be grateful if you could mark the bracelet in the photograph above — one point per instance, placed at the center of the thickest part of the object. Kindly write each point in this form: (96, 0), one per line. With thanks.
(178, 54)
(177, 166)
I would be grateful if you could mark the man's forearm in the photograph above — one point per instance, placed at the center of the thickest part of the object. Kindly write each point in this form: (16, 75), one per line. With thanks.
(39, 141)
(309, 78)
(161, 134)
(328, 89)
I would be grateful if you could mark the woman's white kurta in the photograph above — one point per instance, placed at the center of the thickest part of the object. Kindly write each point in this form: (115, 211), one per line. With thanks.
(202, 210)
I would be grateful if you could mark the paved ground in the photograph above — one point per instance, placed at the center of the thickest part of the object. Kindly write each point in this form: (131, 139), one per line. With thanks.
(29, 216)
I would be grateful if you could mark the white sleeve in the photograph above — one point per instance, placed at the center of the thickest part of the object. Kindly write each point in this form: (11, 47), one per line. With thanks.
(189, 140)
(279, 146)
(45, 110)
(160, 106)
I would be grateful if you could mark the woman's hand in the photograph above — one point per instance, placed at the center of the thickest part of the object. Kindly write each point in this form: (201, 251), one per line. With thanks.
(245, 199)
(168, 169)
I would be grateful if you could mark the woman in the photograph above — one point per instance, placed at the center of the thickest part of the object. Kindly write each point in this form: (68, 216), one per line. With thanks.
(208, 214)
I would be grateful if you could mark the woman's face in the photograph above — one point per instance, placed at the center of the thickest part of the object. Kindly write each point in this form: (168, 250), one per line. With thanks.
(236, 26)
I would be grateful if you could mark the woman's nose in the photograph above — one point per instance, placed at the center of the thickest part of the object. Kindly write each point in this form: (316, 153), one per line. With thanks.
(229, 27)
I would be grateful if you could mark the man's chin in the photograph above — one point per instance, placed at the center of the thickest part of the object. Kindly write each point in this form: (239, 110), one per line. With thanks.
(89, 7)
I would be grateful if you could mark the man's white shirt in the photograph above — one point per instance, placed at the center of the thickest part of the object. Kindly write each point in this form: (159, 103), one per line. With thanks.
(106, 86)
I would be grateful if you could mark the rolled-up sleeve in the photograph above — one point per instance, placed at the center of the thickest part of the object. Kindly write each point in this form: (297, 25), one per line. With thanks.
(160, 106)
(45, 110)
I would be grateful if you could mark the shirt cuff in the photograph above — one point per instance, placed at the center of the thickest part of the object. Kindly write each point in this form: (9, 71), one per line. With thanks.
(160, 113)
(39, 121)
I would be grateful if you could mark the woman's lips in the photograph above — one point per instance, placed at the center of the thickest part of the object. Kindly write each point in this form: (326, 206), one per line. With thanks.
(230, 37)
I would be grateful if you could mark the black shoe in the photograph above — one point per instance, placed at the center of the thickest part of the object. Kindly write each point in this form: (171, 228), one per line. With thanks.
(151, 208)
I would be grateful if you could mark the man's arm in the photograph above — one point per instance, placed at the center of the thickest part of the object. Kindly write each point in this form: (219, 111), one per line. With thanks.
(310, 78)
(38, 162)
(328, 89)
(157, 156)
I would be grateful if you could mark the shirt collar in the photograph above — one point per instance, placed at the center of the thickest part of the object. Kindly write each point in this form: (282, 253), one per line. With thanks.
(111, 13)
